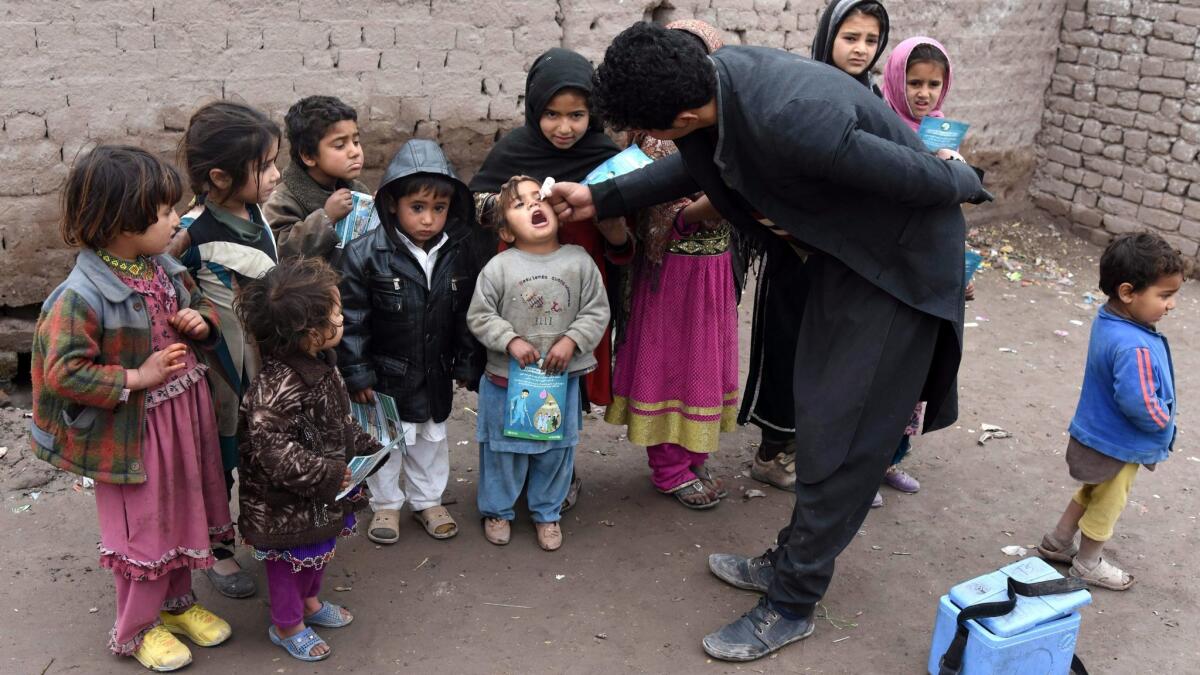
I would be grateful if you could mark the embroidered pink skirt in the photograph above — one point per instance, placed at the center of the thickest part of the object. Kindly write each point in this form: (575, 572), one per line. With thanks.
(169, 522)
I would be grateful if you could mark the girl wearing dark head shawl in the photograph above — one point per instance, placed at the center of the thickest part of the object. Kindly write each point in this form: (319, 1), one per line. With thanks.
(675, 385)
(560, 139)
(850, 36)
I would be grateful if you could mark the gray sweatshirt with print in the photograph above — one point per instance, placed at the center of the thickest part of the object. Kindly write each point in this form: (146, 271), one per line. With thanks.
(539, 298)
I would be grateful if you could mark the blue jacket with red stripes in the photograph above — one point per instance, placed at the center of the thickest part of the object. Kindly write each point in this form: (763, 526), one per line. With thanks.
(1127, 406)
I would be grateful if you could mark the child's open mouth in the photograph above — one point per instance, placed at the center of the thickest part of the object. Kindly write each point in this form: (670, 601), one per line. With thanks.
(538, 218)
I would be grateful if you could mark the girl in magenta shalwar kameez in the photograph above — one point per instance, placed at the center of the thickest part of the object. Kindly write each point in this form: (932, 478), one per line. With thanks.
(120, 397)
(675, 385)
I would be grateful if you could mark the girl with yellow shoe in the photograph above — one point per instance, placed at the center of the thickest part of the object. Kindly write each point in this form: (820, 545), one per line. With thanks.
(120, 397)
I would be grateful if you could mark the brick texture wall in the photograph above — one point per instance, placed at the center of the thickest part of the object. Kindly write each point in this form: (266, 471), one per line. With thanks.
(1122, 123)
(81, 71)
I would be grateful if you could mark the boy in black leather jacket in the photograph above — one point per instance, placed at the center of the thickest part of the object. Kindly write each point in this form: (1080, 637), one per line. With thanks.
(405, 290)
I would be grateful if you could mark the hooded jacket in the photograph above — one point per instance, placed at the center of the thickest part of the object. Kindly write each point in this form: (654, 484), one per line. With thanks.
(848, 179)
(403, 336)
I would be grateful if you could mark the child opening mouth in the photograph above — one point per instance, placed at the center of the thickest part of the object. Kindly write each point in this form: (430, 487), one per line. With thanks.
(538, 218)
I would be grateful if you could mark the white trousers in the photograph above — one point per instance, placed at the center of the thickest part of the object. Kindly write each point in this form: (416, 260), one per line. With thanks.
(424, 468)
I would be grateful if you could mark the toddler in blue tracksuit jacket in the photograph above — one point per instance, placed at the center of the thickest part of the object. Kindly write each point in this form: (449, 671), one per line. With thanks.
(1126, 412)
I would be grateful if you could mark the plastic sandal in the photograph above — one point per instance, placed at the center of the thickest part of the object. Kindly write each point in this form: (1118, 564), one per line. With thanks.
(693, 487)
(714, 485)
(1104, 575)
(1051, 550)
(329, 616)
(384, 527)
(300, 645)
(434, 518)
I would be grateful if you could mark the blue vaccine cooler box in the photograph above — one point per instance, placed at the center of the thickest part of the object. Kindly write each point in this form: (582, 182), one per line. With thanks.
(1036, 638)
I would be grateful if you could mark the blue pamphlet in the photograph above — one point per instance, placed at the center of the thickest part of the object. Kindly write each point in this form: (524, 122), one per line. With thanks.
(938, 133)
(361, 219)
(972, 261)
(629, 159)
(532, 405)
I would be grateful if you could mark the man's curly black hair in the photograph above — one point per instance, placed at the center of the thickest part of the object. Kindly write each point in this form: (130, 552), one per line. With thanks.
(649, 75)
(307, 121)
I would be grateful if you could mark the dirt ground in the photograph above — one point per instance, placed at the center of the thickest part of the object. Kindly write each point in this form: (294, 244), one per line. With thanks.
(630, 590)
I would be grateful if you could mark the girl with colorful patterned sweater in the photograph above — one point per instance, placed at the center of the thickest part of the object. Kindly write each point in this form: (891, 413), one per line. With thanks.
(121, 398)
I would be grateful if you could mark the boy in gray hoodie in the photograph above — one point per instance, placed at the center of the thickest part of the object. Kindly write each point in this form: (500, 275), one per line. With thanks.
(537, 301)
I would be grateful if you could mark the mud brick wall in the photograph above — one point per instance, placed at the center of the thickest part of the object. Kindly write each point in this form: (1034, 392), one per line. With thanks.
(81, 71)
(1122, 124)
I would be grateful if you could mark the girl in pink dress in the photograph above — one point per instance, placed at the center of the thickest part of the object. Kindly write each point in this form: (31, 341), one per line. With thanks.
(120, 397)
(675, 384)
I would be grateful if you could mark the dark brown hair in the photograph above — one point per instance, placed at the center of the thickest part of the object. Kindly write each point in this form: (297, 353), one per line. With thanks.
(927, 53)
(232, 137)
(283, 308)
(115, 189)
(506, 197)
(1139, 259)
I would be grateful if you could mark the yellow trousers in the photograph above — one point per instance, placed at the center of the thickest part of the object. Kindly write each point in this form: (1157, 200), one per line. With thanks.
(1103, 503)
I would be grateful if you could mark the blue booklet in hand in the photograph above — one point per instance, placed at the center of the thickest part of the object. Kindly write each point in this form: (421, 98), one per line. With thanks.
(532, 405)
(361, 219)
(629, 159)
(938, 133)
(973, 260)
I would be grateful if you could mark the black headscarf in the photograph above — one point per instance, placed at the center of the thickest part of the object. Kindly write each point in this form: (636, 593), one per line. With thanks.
(526, 150)
(827, 29)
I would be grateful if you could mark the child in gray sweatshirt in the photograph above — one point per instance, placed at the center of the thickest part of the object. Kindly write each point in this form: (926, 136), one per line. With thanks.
(537, 301)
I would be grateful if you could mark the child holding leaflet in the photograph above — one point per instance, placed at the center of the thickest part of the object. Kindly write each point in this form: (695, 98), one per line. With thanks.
(1127, 406)
(297, 437)
(537, 301)
(314, 192)
(406, 286)
(560, 139)
(916, 80)
(119, 397)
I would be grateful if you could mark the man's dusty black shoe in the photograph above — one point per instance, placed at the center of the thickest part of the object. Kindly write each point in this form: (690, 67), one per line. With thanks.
(751, 574)
(759, 632)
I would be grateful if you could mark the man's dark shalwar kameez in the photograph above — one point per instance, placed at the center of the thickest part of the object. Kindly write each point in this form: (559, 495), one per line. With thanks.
(803, 145)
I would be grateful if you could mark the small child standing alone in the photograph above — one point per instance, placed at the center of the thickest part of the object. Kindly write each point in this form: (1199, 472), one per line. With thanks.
(537, 301)
(1126, 412)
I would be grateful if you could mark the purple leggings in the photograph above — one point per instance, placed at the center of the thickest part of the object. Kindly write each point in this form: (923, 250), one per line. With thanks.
(671, 465)
(288, 590)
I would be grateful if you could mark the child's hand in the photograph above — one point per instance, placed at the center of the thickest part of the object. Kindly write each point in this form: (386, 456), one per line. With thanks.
(339, 204)
(190, 324)
(522, 351)
(948, 154)
(363, 396)
(346, 479)
(559, 356)
(156, 369)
